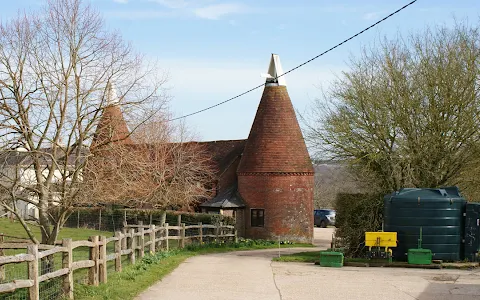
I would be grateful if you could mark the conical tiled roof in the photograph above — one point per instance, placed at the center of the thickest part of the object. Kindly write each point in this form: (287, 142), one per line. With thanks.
(275, 143)
(112, 127)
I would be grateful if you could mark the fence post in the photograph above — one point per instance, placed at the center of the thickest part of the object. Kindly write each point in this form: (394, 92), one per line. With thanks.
(179, 230)
(161, 242)
(78, 218)
(166, 236)
(118, 251)
(217, 231)
(182, 236)
(2, 268)
(152, 239)
(221, 231)
(34, 290)
(67, 261)
(142, 242)
(93, 271)
(124, 238)
(200, 233)
(100, 220)
(132, 245)
(102, 274)
(236, 235)
(179, 220)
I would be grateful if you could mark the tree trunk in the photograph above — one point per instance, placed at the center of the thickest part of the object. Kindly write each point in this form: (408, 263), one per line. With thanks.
(163, 217)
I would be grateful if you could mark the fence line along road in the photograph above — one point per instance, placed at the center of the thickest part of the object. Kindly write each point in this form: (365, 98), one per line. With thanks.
(132, 242)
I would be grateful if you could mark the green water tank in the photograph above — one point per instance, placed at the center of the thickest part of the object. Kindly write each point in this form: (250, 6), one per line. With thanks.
(440, 214)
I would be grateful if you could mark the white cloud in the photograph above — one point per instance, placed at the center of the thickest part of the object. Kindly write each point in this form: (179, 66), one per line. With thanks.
(203, 9)
(216, 11)
(373, 15)
(171, 3)
(138, 14)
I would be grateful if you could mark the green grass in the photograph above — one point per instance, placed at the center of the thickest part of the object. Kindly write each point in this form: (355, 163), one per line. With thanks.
(309, 257)
(16, 229)
(314, 256)
(134, 278)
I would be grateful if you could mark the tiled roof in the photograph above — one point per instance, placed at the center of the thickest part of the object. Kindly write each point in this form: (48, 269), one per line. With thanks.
(275, 143)
(25, 158)
(112, 127)
(230, 198)
(223, 153)
(12, 158)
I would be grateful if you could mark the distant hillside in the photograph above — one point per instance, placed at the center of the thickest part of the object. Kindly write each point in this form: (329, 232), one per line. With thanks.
(332, 178)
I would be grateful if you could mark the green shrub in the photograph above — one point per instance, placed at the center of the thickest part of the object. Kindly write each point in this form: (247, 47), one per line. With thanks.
(241, 243)
(355, 215)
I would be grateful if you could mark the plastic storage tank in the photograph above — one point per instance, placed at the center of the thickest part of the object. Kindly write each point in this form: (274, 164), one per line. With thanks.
(440, 214)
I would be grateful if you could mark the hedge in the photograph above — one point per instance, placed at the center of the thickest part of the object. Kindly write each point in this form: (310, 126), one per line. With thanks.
(355, 215)
(112, 219)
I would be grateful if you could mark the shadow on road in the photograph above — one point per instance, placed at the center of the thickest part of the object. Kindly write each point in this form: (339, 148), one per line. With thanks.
(450, 291)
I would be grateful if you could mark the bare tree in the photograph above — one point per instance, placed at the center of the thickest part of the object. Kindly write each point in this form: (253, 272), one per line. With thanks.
(407, 112)
(55, 67)
(161, 170)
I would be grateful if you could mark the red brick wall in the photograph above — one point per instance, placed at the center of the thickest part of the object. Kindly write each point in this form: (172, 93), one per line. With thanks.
(288, 204)
(240, 221)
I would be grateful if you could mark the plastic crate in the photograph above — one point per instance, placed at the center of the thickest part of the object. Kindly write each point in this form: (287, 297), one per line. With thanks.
(419, 256)
(331, 259)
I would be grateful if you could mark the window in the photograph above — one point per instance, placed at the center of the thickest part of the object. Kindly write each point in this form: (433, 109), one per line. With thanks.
(257, 217)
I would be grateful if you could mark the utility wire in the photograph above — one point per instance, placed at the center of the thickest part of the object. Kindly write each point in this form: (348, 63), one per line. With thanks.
(299, 66)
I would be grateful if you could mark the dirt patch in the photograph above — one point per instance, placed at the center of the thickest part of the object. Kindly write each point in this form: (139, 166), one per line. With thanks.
(446, 277)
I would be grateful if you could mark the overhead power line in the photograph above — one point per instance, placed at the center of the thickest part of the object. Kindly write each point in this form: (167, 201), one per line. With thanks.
(300, 65)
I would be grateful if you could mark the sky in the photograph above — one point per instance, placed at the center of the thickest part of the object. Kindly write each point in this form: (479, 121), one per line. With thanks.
(212, 50)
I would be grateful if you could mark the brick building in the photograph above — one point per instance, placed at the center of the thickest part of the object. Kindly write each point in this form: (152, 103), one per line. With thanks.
(266, 181)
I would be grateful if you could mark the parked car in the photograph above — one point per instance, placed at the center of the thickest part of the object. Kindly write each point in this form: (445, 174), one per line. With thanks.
(324, 217)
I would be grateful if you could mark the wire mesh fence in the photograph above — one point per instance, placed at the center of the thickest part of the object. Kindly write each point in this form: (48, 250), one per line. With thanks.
(51, 289)
(108, 219)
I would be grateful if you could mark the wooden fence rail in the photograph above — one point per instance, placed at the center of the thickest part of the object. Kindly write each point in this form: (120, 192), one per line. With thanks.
(131, 241)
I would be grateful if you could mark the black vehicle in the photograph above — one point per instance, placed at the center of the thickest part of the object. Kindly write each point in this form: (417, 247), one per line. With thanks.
(324, 217)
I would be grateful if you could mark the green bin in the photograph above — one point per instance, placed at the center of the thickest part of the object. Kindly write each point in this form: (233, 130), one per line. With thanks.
(419, 256)
(331, 259)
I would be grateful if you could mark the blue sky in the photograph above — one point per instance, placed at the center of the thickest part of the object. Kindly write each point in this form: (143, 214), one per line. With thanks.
(213, 49)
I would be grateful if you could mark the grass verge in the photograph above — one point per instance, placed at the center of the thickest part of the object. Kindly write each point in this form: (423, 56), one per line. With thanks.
(134, 278)
(309, 257)
(314, 257)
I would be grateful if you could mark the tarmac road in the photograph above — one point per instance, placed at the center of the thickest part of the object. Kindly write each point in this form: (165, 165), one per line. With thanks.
(252, 275)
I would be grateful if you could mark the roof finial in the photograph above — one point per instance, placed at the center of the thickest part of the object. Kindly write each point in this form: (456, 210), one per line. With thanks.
(275, 70)
(112, 98)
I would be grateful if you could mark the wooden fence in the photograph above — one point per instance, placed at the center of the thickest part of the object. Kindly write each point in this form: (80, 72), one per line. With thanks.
(132, 241)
